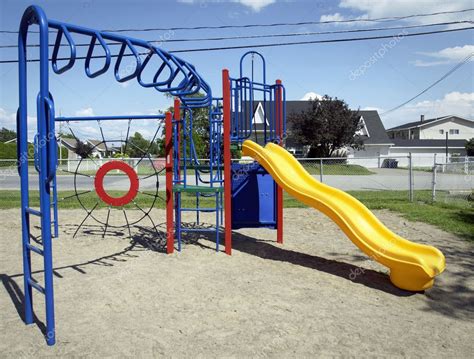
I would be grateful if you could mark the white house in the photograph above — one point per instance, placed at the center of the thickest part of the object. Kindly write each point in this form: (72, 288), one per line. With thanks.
(430, 140)
(98, 148)
(377, 145)
(451, 127)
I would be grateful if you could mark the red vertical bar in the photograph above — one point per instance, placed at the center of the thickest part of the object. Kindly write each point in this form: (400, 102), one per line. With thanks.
(227, 163)
(169, 183)
(279, 113)
(177, 117)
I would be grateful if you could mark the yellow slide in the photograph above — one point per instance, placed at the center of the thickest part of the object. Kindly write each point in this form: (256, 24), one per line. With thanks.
(412, 266)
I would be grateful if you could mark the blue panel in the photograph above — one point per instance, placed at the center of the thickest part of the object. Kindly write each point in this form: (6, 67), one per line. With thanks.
(253, 197)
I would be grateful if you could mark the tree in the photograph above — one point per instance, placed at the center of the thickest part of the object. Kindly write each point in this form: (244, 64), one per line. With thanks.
(6, 134)
(160, 145)
(138, 146)
(83, 149)
(328, 126)
(200, 131)
(65, 135)
(470, 147)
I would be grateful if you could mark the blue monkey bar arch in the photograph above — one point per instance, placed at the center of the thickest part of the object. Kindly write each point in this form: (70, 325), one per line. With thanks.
(173, 75)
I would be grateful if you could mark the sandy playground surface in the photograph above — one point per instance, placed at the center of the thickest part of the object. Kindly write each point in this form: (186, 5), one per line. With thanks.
(316, 295)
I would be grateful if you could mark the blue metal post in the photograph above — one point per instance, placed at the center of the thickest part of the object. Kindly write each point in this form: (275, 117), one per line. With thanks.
(22, 133)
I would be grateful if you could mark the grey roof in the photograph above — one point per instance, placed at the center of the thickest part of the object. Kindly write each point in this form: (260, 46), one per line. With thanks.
(419, 123)
(398, 142)
(375, 128)
(98, 145)
(70, 143)
(377, 134)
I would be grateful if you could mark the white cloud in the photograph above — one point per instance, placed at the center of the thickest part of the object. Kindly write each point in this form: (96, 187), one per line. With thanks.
(446, 56)
(85, 112)
(311, 95)
(255, 5)
(8, 120)
(333, 17)
(371, 108)
(453, 103)
(389, 8)
(339, 17)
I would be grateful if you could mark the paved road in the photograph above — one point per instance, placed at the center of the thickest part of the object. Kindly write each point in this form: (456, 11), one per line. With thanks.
(384, 179)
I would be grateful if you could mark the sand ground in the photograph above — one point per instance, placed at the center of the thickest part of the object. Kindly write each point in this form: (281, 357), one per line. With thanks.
(315, 296)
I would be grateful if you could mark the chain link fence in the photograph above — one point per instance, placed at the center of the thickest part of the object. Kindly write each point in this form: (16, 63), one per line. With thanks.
(412, 178)
(453, 181)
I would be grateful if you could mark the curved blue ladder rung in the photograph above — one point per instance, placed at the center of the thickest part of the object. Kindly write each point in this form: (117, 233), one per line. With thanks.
(125, 45)
(97, 37)
(153, 50)
(72, 51)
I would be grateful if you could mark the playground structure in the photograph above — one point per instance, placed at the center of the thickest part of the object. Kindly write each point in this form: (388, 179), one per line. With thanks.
(244, 194)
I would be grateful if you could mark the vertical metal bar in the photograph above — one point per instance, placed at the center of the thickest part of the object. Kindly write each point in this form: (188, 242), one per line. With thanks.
(410, 177)
(321, 170)
(179, 145)
(279, 119)
(178, 219)
(227, 162)
(217, 221)
(433, 184)
(22, 140)
(44, 184)
(213, 155)
(169, 183)
(55, 207)
(177, 119)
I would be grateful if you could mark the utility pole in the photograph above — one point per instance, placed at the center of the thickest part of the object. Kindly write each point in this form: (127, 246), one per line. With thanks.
(447, 133)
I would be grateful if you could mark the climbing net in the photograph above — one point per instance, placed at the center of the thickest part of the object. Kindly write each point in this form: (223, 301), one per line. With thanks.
(125, 209)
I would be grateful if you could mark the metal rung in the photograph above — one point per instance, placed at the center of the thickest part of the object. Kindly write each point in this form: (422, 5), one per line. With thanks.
(35, 285)
(34, 249)
(197, 230)
(199, 209)
(33, 211)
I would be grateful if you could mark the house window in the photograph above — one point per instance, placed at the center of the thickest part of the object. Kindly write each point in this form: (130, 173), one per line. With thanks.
(441, 132)
(454, 132)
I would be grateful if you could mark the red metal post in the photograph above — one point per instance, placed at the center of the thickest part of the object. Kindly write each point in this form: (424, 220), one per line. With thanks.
(227, 162)
(279, 114)
(169, 183)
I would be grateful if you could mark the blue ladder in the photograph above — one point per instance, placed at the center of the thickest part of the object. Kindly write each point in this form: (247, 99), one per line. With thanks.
(44, 151)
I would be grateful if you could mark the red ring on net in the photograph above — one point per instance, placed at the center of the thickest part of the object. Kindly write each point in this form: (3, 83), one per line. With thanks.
(99, 183)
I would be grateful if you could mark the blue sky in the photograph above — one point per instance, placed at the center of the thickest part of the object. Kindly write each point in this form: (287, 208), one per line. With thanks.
(345, 70)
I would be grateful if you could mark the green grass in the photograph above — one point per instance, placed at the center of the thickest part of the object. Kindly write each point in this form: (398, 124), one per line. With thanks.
(11, 199)
(450, 216)
(455, 217)
(337, 169)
